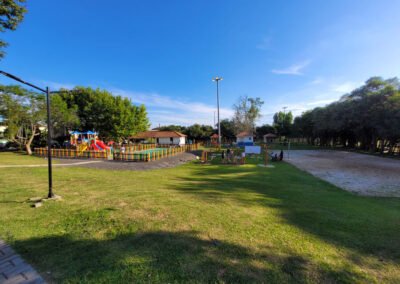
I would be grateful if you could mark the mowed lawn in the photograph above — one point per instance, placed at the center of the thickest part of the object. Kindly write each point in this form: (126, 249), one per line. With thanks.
(198, 223)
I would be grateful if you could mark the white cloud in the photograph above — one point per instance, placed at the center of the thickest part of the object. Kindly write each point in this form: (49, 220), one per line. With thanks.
(317, 81)
(346, 87)
(56, 85)
(294, 69)
(165, 110)
(321, 102)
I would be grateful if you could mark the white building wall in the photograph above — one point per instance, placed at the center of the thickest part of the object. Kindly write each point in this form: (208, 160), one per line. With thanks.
(164, 141)
(244, 139)
(175, 140)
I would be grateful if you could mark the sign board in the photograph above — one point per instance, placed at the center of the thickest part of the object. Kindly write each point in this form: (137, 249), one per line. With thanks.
(252, 149)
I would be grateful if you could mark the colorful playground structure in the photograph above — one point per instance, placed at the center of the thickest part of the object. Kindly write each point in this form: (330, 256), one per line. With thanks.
(87, 145)
(87, 140)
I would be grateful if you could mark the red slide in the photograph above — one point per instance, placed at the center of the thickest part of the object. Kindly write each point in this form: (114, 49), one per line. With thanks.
(100, 144)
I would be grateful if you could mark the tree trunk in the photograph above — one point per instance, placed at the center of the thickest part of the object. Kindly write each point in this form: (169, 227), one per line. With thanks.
(29, 142)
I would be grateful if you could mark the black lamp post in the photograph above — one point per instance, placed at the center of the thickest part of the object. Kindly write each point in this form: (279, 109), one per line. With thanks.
(47, 92)
(217, 79)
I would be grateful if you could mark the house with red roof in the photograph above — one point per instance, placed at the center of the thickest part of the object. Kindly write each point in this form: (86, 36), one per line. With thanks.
(245, 138)
(161, 137)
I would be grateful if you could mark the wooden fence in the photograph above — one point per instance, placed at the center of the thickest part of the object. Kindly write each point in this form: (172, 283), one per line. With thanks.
(135, 148)
(156, 154)
(128, 155)
(187, 147)
(71, 153)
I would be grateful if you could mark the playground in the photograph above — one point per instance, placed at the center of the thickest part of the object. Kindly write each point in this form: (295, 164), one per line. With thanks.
(87, 145)
(358, 173)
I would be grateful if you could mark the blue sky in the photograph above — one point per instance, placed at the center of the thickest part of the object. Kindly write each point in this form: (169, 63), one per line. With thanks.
(299, 54)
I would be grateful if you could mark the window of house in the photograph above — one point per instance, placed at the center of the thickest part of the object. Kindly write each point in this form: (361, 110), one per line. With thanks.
(171, 139)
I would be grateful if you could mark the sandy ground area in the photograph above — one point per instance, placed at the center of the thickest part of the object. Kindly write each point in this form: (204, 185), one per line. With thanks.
(358, 173)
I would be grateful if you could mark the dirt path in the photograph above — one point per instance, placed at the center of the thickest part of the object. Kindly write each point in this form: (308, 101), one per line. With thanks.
(358, 173)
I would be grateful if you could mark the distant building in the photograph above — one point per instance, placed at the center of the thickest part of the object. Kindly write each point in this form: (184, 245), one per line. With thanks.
(245, 139)
(161, 137)
(214, 139)
(2, 130)
(270, 138)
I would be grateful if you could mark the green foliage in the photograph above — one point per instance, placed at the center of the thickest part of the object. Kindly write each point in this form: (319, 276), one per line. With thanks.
(283, 122)
(24, 112)
(114, 117)
(227, 128)
(11, 14)
(172, 127)
(264, 129)
(199, 132)
(63, 117)
(195, 131)
(246, 113)
(367, 115)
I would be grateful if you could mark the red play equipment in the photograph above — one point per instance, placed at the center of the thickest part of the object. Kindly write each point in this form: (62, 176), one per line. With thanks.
(98, 145)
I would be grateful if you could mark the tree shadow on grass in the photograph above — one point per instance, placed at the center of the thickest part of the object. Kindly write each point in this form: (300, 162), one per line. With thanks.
(165, 257)
(369, 226)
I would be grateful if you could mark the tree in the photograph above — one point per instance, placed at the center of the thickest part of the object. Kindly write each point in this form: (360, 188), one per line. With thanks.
(283, 122)
(62, 117)
(264, 129)
(172, 127)
(246, 112)
(11, 14)
(367, 118)
(199, 132)
(114, 117)
(25, 112)
(227, 128)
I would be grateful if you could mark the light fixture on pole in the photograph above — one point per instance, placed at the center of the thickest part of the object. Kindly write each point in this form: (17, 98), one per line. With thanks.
(49, 158)
(217, 79)
(284, 115)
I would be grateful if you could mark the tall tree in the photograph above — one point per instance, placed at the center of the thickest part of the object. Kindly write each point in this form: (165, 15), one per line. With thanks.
(264, 129)
(114, 117)
(283, 122)
(172, 127)
(246, 112)
(368, 118)
(24, 112)
(199, 132)
(11, 14)
(227, 128)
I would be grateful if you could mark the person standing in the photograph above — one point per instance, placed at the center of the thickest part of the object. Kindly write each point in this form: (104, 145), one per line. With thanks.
(243, 158)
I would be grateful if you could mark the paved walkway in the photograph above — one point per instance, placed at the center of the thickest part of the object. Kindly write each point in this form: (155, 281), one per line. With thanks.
(13, 269)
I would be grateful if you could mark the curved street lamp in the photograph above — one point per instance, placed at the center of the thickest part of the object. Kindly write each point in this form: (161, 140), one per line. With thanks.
(49, 158)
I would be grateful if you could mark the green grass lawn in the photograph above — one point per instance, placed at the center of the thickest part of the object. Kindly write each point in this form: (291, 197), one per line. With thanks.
(198, 223)
(10, 158)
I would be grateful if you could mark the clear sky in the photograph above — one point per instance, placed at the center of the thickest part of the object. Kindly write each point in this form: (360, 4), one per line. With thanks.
(299, 54)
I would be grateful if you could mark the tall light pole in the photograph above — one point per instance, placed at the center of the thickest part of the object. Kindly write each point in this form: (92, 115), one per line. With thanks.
(217, 79)
(47, 92)
(284, 115)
